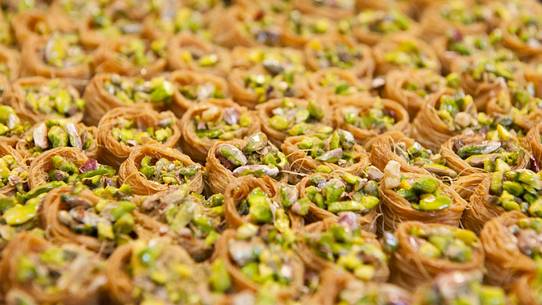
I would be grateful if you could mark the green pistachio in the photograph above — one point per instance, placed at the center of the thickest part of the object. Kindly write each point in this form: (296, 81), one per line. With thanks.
(7, 202)
(208, 60)
(440, 170)
(492, 296)
(219, 278)
(124, 224)
(288, 195)
(216, 200)
(349, 249)
(513, 188)
(10, 123)
(434, 203)
(408, 194)
(35, 192)
(221, 123)
(55, 97)
(58, 137)
(122, 208)
(260, 210)
(165, 171)
(315, 110)
(301, 207)
(423, 193)
(162, 90)
(333, 190)
(246, 231)
(535, 208)
(478, 149)
(370, 202)
(510, 205)
(429, 250)
(105, 231)
(332, 156)
(343, 192)
(456, 245)
(278, 122)
(530, 179)
(426, 185)
(496, 183)
(20, 214)
(26, 269)
(232, 154)
(255, 142)
(375, 118)
(315, 196)
(64, 51)
(339, 55)
(299, 129)
(466, 236)
(346, 206)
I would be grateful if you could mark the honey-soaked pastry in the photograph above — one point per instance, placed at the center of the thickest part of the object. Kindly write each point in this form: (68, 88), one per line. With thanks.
(336, 150)
(420, 252)
(132, 56)
(340, 196)
(39, 271)
(286, 117)
(107, 91)
(59, 55)
(417, 197)
(122, 129)
(218, 119)
(270, 152)
(152, 168)
(366, 117)
(254, 155)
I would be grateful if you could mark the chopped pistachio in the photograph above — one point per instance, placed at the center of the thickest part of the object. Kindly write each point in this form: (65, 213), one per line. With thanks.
(527, 30)
(158, 91)
(338, 147)
(453, 244)
(221, 123)
(165, 171)
(200, 92)
(349, 249)
(463, 288)
(263, 258)
(342, 193)
(340, 55)
(20, 214)
(64, 51)
(456, 111)
(525, 231)
(517, 190)
(142, 53)
(257, 157)
(266, 85)
(158, 265)
(220, 278)
(423, 193)
(131, 133)
(52, 268)
(375, 118)
(10, 123)
(383, 22)
(458, 12)
(12, 173)
(54, 97)
(407, 54)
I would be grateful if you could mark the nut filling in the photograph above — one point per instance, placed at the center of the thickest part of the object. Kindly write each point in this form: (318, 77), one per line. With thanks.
(257, 157)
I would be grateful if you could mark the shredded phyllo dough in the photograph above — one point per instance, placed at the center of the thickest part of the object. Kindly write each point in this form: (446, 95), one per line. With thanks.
(271, 152)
